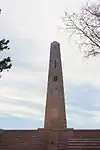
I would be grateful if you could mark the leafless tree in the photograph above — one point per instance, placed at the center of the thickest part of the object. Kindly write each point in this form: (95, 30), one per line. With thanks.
(86, 25)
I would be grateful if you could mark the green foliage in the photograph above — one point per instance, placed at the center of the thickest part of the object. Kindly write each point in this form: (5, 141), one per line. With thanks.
(5, 64)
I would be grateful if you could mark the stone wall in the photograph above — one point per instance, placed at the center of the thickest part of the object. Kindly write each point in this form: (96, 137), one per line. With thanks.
(42, 139)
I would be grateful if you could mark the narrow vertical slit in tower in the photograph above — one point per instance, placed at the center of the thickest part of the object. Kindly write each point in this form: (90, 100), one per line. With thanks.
(55, 78)
(55, 63)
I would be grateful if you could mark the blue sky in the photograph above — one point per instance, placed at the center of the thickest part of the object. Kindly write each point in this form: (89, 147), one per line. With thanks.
(31, 25)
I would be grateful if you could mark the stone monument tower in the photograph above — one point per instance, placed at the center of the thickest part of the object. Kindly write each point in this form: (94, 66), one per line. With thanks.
(55, 115)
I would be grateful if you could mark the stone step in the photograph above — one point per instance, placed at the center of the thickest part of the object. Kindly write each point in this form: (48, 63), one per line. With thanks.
(81, 147)
(78, 144)
(83, 139)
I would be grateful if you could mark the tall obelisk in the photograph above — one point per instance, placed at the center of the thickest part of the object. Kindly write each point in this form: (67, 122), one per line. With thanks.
(55, 114)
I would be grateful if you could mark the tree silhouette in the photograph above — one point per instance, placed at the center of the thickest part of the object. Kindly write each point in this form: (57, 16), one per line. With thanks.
(5, 64)
(86, 25)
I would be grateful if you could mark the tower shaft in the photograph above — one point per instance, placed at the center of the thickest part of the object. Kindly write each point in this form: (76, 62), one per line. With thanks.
(55, 115)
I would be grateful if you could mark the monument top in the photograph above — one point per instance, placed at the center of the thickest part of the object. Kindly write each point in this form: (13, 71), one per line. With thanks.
(55, 42)
(55, 45)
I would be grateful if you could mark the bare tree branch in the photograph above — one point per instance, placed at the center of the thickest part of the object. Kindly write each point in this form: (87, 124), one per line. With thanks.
(86, 25)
